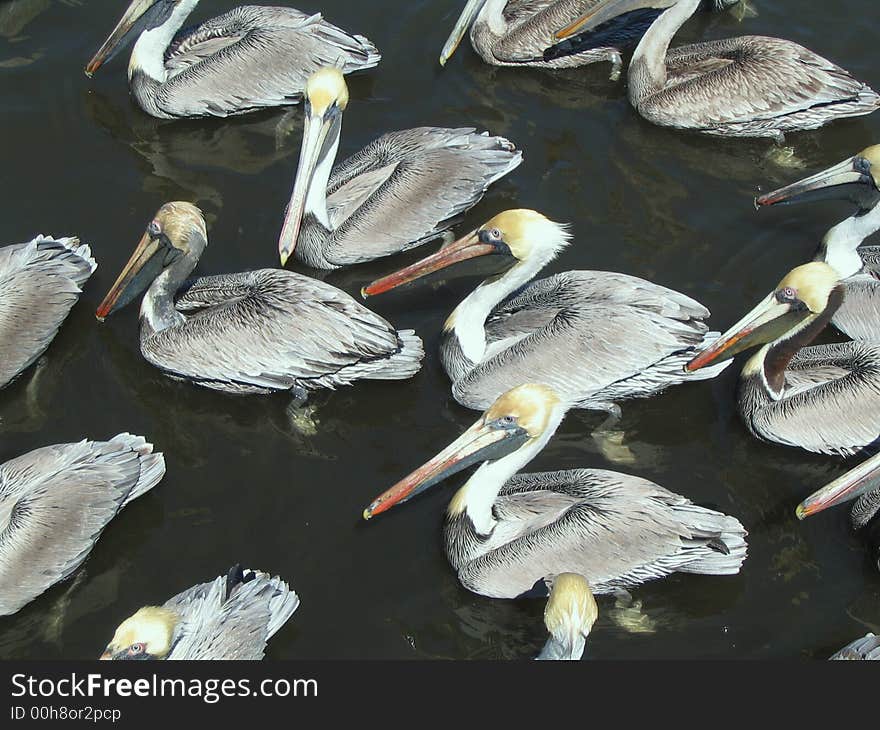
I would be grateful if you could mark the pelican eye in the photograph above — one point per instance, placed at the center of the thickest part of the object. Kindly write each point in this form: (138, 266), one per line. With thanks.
(491, 235)
(787, 294)
(138, 648)
(154, 229)
(507, 421)
(862, 166)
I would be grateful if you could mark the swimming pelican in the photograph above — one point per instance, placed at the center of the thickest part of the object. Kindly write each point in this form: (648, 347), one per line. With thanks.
(854, 180)
(398, 192)
(862, 484)
(866, 648)
(519, 33)
(510, 534)
(55, 502)
(824, 398)
(752, 86)
(569, 617)
(231, 617)
(252, 57)
(40, 281)
(254, 332)
(596, 337)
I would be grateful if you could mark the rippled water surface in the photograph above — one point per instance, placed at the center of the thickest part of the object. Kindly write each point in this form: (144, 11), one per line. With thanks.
(244, 484)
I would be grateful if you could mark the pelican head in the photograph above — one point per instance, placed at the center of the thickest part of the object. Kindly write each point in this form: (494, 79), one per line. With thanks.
(141, 16)
(799, 299)
(856, 179)
(325, 98)
(177, 231)
(519, 417)
(148, 634)
(525, 235)
(569, 617)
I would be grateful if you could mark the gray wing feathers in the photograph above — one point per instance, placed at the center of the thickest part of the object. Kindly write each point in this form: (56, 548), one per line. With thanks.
(275, 330)
(254, 56)
(54, 503)
(618, 530)
(428, 176)
(859, 314)
(217, 626)
(40, 281)
(866, 648)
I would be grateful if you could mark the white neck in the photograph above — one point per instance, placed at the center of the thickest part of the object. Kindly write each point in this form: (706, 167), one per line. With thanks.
(316, 197)
(492, 13)
(480, 491)
(839, 247)
(157, 307)
(468, 319)
(650, 54)
(148, 55)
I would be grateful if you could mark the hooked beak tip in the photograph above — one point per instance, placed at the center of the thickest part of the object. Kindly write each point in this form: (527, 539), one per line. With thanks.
(368, 512)
(99, 317)
(802, 512)
(364, 292)
(284, 255)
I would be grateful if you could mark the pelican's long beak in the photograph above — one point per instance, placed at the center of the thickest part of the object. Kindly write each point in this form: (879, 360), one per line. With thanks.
(146, 263)
(483, 441)
(606, 10)
(856, 482)
(137, 11)
(765, 323)
(843, 181)
(319, 133)
(467, 247)
(467, 17)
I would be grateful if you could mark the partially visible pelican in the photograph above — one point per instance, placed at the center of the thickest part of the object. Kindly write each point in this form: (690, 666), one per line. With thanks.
(595, 337)
(824, 398)
(40, 281)
(862, 484)
(569, 617)
(520, 32)
(752, 86)
(253, 332)
(252, 57)
(868, 647)
(55, 502)
(398, 192)
(510, 534)
(231, 617)
(854, 180)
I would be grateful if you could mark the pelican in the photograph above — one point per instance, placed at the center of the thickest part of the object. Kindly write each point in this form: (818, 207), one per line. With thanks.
(595, 337)
(520, 33)
(231, 617)
(861, 484)
(868, 647)
(824, 398)
(398, 192)
(854, 180)
(752, 86)
(252, 57)
(40, 281)
(509, 535)
(55, 502)
(569, 617)
(254, 332)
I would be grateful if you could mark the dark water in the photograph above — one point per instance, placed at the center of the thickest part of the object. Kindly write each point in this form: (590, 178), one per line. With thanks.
(244, 485)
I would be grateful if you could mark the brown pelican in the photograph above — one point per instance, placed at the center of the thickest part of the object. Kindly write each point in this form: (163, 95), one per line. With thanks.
(398, 192)
(861, 483)
(595, 337)
(253, 332)
(868, 647)
(510, 534)
(854, 180)
(569, 616)
(56, 501)
(752, 86)
(252, 57)
(824, 398)
(231, 617)
(40, 281)
(520, 32)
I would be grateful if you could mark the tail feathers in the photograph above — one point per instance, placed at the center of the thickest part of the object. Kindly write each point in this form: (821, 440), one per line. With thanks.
(405, 363)
(152, 466)
(718, 542)
(866, 648)
(282, 599)
(67, 252)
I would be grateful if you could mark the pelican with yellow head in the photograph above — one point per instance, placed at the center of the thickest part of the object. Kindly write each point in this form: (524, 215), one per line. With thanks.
(509, 534)
(569, 617)
(595, 337)
(823, 398)
(400, 191)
